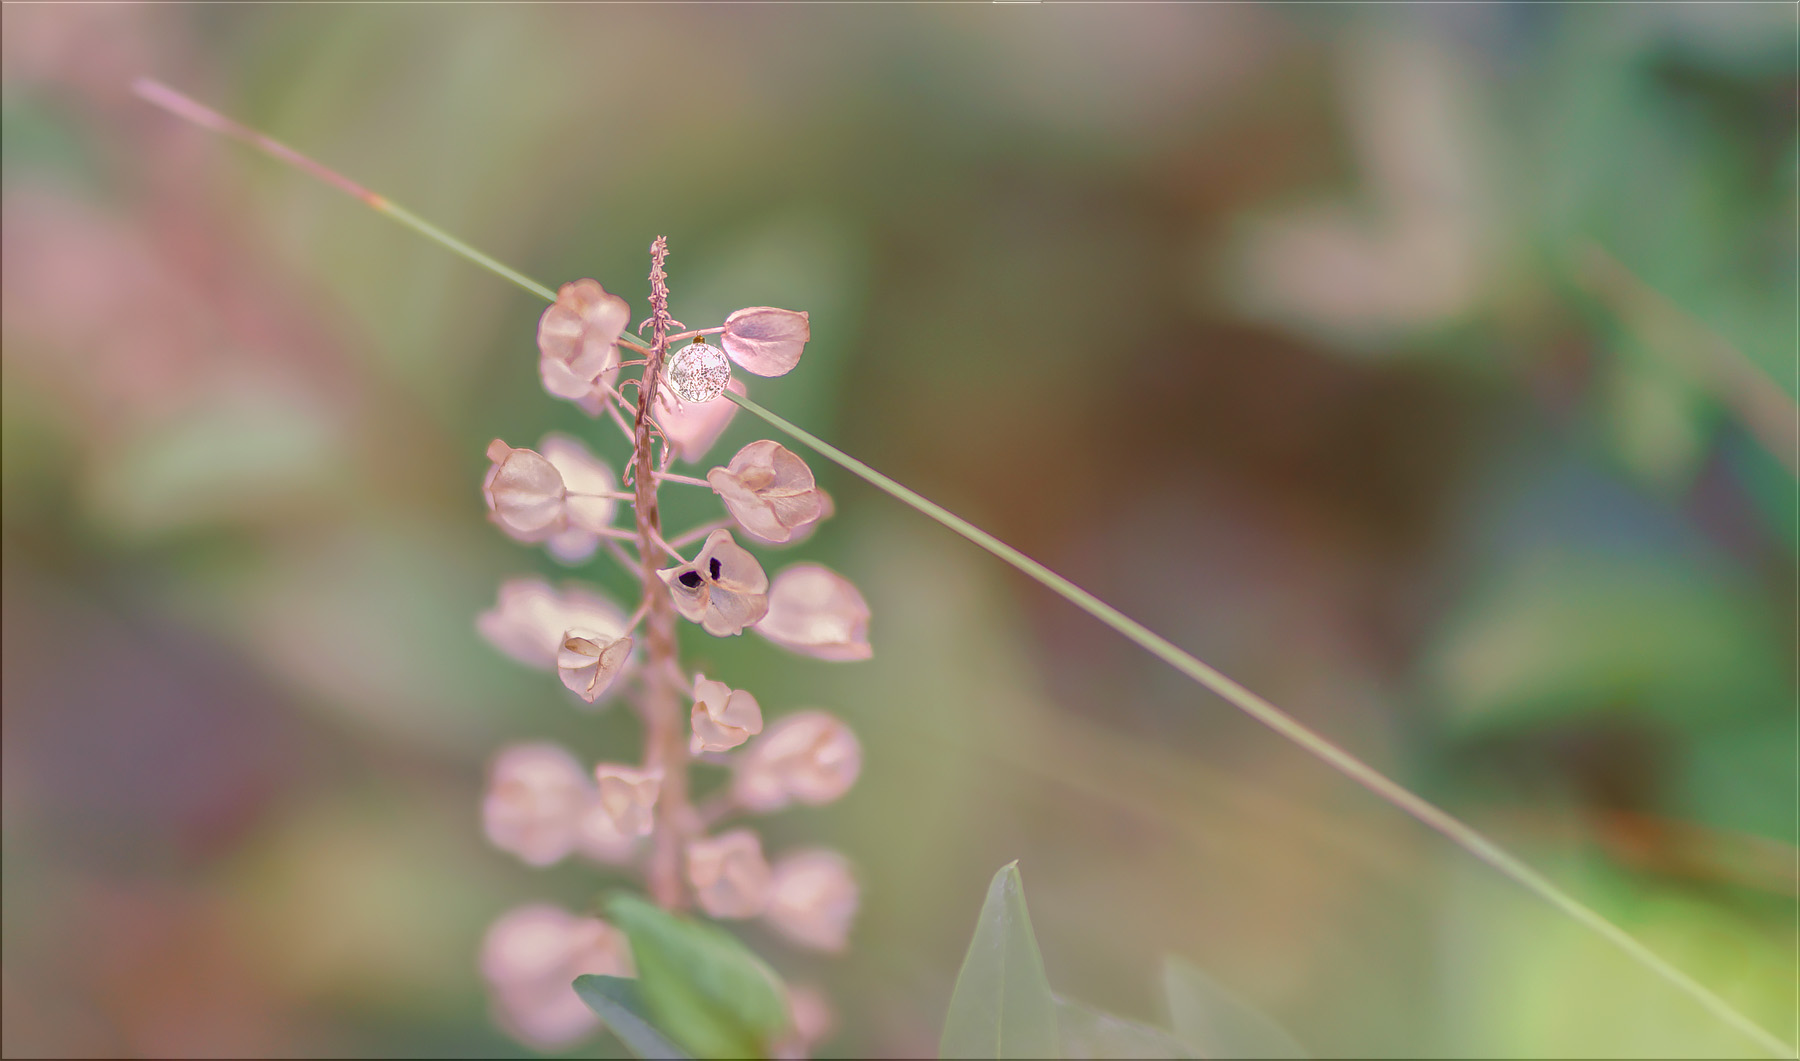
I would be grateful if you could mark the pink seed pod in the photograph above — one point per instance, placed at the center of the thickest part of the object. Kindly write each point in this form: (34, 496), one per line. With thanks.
(724, 589)
(578, 343)
(812, 899)
(529, 958)
(628, 797)
(729, 875)
(530, 621)
(809, 757)
(810, 1022)
(524, 491)
(535, 795)
(723, 717)
(769, 490)
(599, 839)
(588, 665)
(693, 427)
(766, 340)
(817, 612)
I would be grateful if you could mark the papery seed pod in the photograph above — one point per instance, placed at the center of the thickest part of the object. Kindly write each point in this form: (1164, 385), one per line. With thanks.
(724, 589)
(588, 665)
(530, 619)
(769, 490)
(524, 491)
(729, 875)
(766, 340)
(628, 797)
(535, 795)
(817, 612)
(597, 837)
(810, 1022)
(578, 343)
(531, 956)
(812, 899)
(807, 756)
(723, 717)
(693, 427)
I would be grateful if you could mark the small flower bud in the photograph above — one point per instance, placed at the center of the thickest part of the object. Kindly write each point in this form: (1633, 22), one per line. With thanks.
(531, 956)
(723, 717)
(578, 343)
(588, 665)
(598, 838)
(810, 1022)
(628, 797)
(695, 426)
(812, 899)
(531, 621)
(535, 795)
(769, 490)
(729, 874)
(724, 589)
(817, 612)
(766, 340)
(808, 756)
(698, 372)
(523, 490)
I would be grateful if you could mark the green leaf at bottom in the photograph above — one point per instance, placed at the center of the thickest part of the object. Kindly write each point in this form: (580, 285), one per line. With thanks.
(617, 1002)
(1002, 1005)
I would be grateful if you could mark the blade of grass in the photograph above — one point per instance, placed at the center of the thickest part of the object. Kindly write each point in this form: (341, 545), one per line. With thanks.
(1281, 722)
(1255, 706)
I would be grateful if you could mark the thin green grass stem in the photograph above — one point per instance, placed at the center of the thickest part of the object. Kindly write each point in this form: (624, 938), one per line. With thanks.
(1286, 725)
(1251, 704)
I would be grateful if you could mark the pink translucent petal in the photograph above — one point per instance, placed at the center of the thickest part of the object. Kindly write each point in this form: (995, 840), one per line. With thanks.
(817, 612)
(695, 426)
(766, 340)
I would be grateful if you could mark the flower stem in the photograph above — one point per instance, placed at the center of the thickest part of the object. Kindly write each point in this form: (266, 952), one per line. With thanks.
(1281, 722)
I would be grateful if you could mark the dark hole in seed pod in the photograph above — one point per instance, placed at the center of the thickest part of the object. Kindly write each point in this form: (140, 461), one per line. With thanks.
(690, 579)
(714, 567)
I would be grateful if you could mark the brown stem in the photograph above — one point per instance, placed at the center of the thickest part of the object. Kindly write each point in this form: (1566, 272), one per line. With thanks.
(665, 743)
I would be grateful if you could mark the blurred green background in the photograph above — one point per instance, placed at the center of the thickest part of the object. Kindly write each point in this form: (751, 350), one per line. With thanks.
(1431, 371)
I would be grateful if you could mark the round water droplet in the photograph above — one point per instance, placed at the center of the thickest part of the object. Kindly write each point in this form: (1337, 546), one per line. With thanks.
(698, 372)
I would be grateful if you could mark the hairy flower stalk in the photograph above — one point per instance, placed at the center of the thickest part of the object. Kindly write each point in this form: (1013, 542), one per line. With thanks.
(665, 745)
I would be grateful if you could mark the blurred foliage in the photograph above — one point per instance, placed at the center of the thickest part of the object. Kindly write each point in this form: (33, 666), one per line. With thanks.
(1430, 370)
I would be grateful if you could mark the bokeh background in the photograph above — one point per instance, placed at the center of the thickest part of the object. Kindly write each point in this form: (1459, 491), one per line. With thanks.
(1431, 370)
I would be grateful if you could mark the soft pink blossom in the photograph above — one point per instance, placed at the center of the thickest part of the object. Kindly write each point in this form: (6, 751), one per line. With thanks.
(532, 955)
(812, 899)
(588, 665)
(817, 612)
(531, 622)
(535, 796)
(598, 837)
(693, 427)
(766, 340)
(563, 496)
(729, 875)
(578, 343)
(724, 589)
(628, 797)
(810, 1021)
(723, 717)
(809, 756)
(769, 490)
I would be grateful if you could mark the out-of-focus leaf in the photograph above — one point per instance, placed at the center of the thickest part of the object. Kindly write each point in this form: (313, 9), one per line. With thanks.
(620, 1005)
(1216, 1023)
(1002, 1005)
(1091, 1033)
(1570, 636)
(713, 995)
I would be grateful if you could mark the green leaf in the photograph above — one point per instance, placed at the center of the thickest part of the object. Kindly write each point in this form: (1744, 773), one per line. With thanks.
(699, 983)
(1216, 1023)
(1002, 1005)
(1091, 1033)
(621, 1006)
